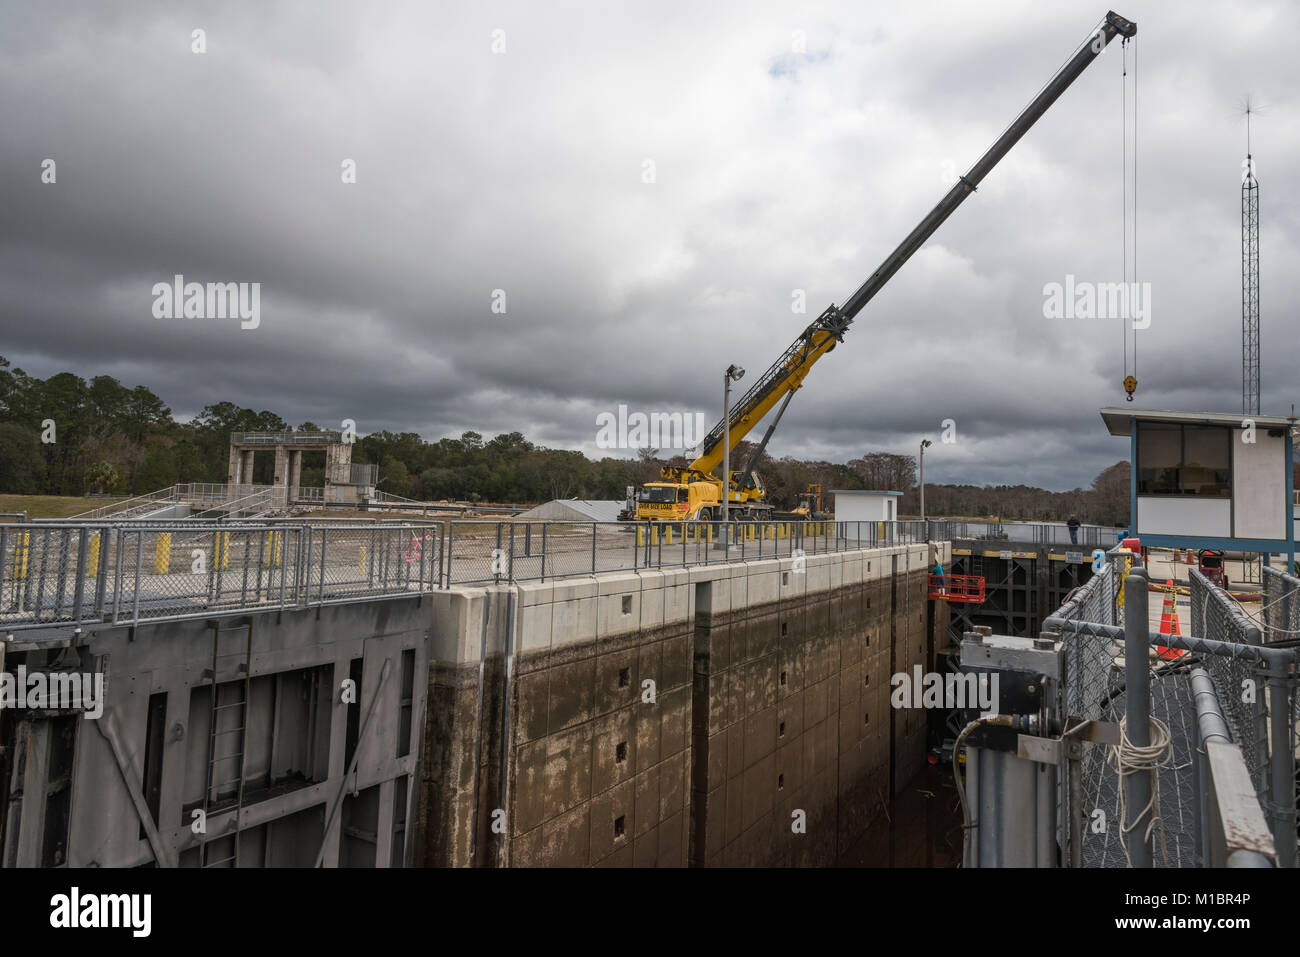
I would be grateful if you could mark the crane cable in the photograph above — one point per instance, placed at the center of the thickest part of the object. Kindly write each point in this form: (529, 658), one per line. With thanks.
(1131, 292)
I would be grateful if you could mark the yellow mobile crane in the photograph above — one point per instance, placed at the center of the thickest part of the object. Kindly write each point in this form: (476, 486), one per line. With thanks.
(695, 492)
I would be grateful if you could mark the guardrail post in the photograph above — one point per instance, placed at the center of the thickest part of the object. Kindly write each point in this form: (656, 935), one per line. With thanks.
(79, 586)
(446, 565)
(1137, 714)
(324, 553)
(105, 538)
(1282, 766)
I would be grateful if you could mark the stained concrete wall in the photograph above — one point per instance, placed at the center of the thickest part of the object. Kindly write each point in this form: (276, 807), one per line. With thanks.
(673, 717)
(660, 718)
(295, 746)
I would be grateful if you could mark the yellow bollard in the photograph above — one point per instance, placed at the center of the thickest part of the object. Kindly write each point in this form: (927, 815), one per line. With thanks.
(273, 549)
(361, 560)
(162, 553)
(92, 556)
(640, 536)
(223, 549)
(709, 531)
(24, 549)
(668, 534)
(654, 534)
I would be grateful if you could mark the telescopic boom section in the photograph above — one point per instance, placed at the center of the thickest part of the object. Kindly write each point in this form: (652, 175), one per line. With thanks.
(788, 372)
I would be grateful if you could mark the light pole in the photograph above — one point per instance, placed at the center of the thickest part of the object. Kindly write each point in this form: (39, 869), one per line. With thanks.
(734, 373)
(925, 444)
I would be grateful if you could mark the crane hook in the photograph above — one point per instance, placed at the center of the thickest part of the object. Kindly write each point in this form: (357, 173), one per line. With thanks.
(1130, 386)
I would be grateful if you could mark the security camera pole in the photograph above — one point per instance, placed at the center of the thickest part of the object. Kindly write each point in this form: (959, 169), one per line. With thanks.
(734, 373)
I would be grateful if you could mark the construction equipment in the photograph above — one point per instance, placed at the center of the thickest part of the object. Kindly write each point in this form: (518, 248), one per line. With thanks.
(808, 507)
(695, 492)
(1210, 563)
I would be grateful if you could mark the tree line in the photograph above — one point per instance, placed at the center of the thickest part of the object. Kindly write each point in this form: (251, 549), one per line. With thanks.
(70, 436)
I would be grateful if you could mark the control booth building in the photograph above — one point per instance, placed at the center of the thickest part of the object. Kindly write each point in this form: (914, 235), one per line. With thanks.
(1210, 480)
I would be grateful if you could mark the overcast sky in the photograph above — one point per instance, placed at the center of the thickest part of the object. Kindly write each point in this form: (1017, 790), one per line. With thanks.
(775, 170)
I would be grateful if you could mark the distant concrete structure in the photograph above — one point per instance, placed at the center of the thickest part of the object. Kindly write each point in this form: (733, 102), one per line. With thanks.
(575, 510)
(860, 505)
(345, 483)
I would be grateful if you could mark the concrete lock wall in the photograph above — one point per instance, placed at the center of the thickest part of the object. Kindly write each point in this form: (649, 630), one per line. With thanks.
(660, 718)
(122, 790)
(674, 717)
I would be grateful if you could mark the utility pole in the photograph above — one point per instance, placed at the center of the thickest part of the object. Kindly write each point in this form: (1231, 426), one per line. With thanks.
(925, 444)
(734, 373)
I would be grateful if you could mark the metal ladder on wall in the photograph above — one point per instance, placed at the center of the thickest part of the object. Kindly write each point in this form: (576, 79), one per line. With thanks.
(217, 791)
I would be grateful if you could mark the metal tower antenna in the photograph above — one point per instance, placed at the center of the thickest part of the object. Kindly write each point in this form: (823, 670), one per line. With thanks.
(1249, 279)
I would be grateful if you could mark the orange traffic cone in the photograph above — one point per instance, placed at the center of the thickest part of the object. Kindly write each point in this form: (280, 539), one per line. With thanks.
(1169, 622)
(1188, 559)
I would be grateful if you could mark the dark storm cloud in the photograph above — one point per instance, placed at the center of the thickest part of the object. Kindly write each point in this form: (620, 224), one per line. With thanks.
(523, 171)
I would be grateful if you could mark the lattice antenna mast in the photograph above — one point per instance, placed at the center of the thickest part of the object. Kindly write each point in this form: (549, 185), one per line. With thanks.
(1249, 278)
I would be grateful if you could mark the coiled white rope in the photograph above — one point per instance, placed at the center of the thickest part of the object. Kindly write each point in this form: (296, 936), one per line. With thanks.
(1127, 759)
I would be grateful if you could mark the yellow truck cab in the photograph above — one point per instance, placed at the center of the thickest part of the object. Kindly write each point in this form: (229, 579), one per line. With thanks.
(677, 502)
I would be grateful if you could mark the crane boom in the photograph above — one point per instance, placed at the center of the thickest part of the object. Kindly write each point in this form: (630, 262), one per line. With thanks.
(788, 372)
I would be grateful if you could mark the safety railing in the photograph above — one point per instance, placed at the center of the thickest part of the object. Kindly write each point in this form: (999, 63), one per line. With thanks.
(1257, 688)
(967, 589)
(1039, 533)
(130, 505)
(1112, 677)
(1281, 607)
(262, 499)
(285, 438)
(482, 552)
(53, 575)
(120, 572)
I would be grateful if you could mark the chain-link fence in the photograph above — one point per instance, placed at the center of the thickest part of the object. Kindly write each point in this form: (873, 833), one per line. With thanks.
(1254, 690)
(1255, 682)
(1281, 609)
(53, 574)
(1091, 620)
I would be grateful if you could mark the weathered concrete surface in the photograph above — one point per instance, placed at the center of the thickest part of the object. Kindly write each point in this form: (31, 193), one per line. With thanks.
(794, 737)
(673, 717)
(291, 742)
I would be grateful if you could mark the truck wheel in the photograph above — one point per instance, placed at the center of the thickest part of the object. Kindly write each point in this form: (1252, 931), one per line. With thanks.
(704, 516)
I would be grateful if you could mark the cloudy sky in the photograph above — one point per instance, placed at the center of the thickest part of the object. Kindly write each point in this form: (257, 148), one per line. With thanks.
(506, 147)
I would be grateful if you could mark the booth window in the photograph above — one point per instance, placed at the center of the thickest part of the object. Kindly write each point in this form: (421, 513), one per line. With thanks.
(1176, 459)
